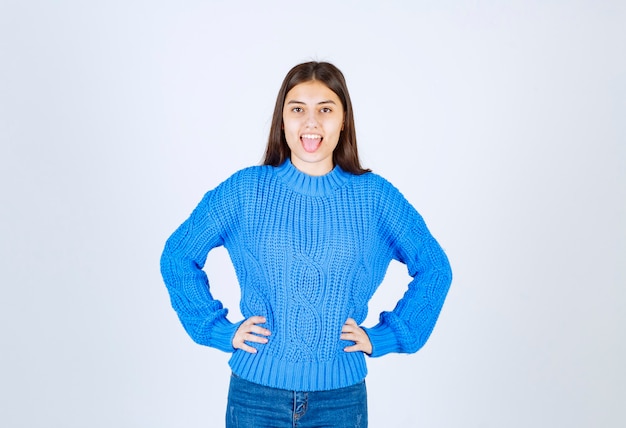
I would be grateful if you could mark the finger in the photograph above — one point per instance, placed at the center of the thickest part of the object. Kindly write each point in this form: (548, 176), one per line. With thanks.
(363, 347)
(353, 348)
(350, 326)
(247, 348)
(349, 336)
(249, 331)
(349, 329)
(249, 337)
(250, 325)
(241, 342)
(259, 330)
(257, 319)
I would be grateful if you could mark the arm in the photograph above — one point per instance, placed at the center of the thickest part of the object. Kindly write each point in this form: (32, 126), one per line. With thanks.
(407, 328)
(202, 316)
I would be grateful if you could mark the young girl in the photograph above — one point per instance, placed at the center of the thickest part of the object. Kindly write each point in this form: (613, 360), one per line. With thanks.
(310, 234)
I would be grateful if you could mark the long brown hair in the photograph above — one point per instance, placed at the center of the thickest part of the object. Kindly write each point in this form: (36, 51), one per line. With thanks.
(345, 154)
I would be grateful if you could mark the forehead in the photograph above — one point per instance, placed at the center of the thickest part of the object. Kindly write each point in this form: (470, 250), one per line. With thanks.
(312, 91)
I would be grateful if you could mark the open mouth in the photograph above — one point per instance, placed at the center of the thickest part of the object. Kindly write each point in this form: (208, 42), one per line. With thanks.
(311, 142)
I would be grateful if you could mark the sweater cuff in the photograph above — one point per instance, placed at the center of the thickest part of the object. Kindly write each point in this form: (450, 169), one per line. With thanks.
(383, 340)
(222, 333)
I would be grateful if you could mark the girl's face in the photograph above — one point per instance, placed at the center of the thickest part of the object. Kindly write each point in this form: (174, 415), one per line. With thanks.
(312, 121)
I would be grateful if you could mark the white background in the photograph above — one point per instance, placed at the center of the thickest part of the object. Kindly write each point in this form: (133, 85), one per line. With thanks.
(502, 122)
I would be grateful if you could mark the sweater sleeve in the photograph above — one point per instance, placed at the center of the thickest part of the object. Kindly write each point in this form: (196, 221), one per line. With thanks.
(407, 328)
(184, 256)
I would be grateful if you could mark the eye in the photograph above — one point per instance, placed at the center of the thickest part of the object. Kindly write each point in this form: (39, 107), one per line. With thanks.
(297, 109)
(326, 110)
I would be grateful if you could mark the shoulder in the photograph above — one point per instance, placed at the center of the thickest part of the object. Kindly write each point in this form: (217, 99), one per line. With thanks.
(378, 186)
(240, 182)
(249, 173)
(392, 208)
(248, 177)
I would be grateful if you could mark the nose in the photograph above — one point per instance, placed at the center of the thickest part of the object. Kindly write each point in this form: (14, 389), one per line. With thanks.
(311, 119)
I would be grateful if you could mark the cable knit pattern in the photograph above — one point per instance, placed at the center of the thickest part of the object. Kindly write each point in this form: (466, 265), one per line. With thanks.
(309, 252)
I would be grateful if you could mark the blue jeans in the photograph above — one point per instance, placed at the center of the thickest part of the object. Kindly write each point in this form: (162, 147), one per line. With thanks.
(256, 406)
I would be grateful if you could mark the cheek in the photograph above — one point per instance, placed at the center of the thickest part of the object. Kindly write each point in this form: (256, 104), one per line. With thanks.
(289, 124)
(289, 129)
(291, 133)
(337, 126)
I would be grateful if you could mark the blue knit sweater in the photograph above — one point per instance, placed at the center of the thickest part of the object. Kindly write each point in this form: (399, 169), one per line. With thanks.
(309, 252)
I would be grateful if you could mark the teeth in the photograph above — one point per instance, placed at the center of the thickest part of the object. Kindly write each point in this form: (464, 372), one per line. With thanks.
(311, 136)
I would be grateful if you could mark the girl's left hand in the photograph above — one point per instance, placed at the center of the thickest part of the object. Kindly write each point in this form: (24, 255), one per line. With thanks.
(351, 331)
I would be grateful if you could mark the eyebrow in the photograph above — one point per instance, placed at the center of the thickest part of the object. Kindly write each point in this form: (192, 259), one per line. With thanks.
(302, 102)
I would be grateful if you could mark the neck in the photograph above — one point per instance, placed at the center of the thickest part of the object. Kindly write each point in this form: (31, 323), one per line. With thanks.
(315, 169)
(301, 182)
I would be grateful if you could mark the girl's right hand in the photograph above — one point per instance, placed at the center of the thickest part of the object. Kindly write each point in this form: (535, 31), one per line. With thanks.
(249, 331)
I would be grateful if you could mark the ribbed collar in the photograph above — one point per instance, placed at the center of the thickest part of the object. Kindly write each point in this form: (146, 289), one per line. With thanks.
(311, 185)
